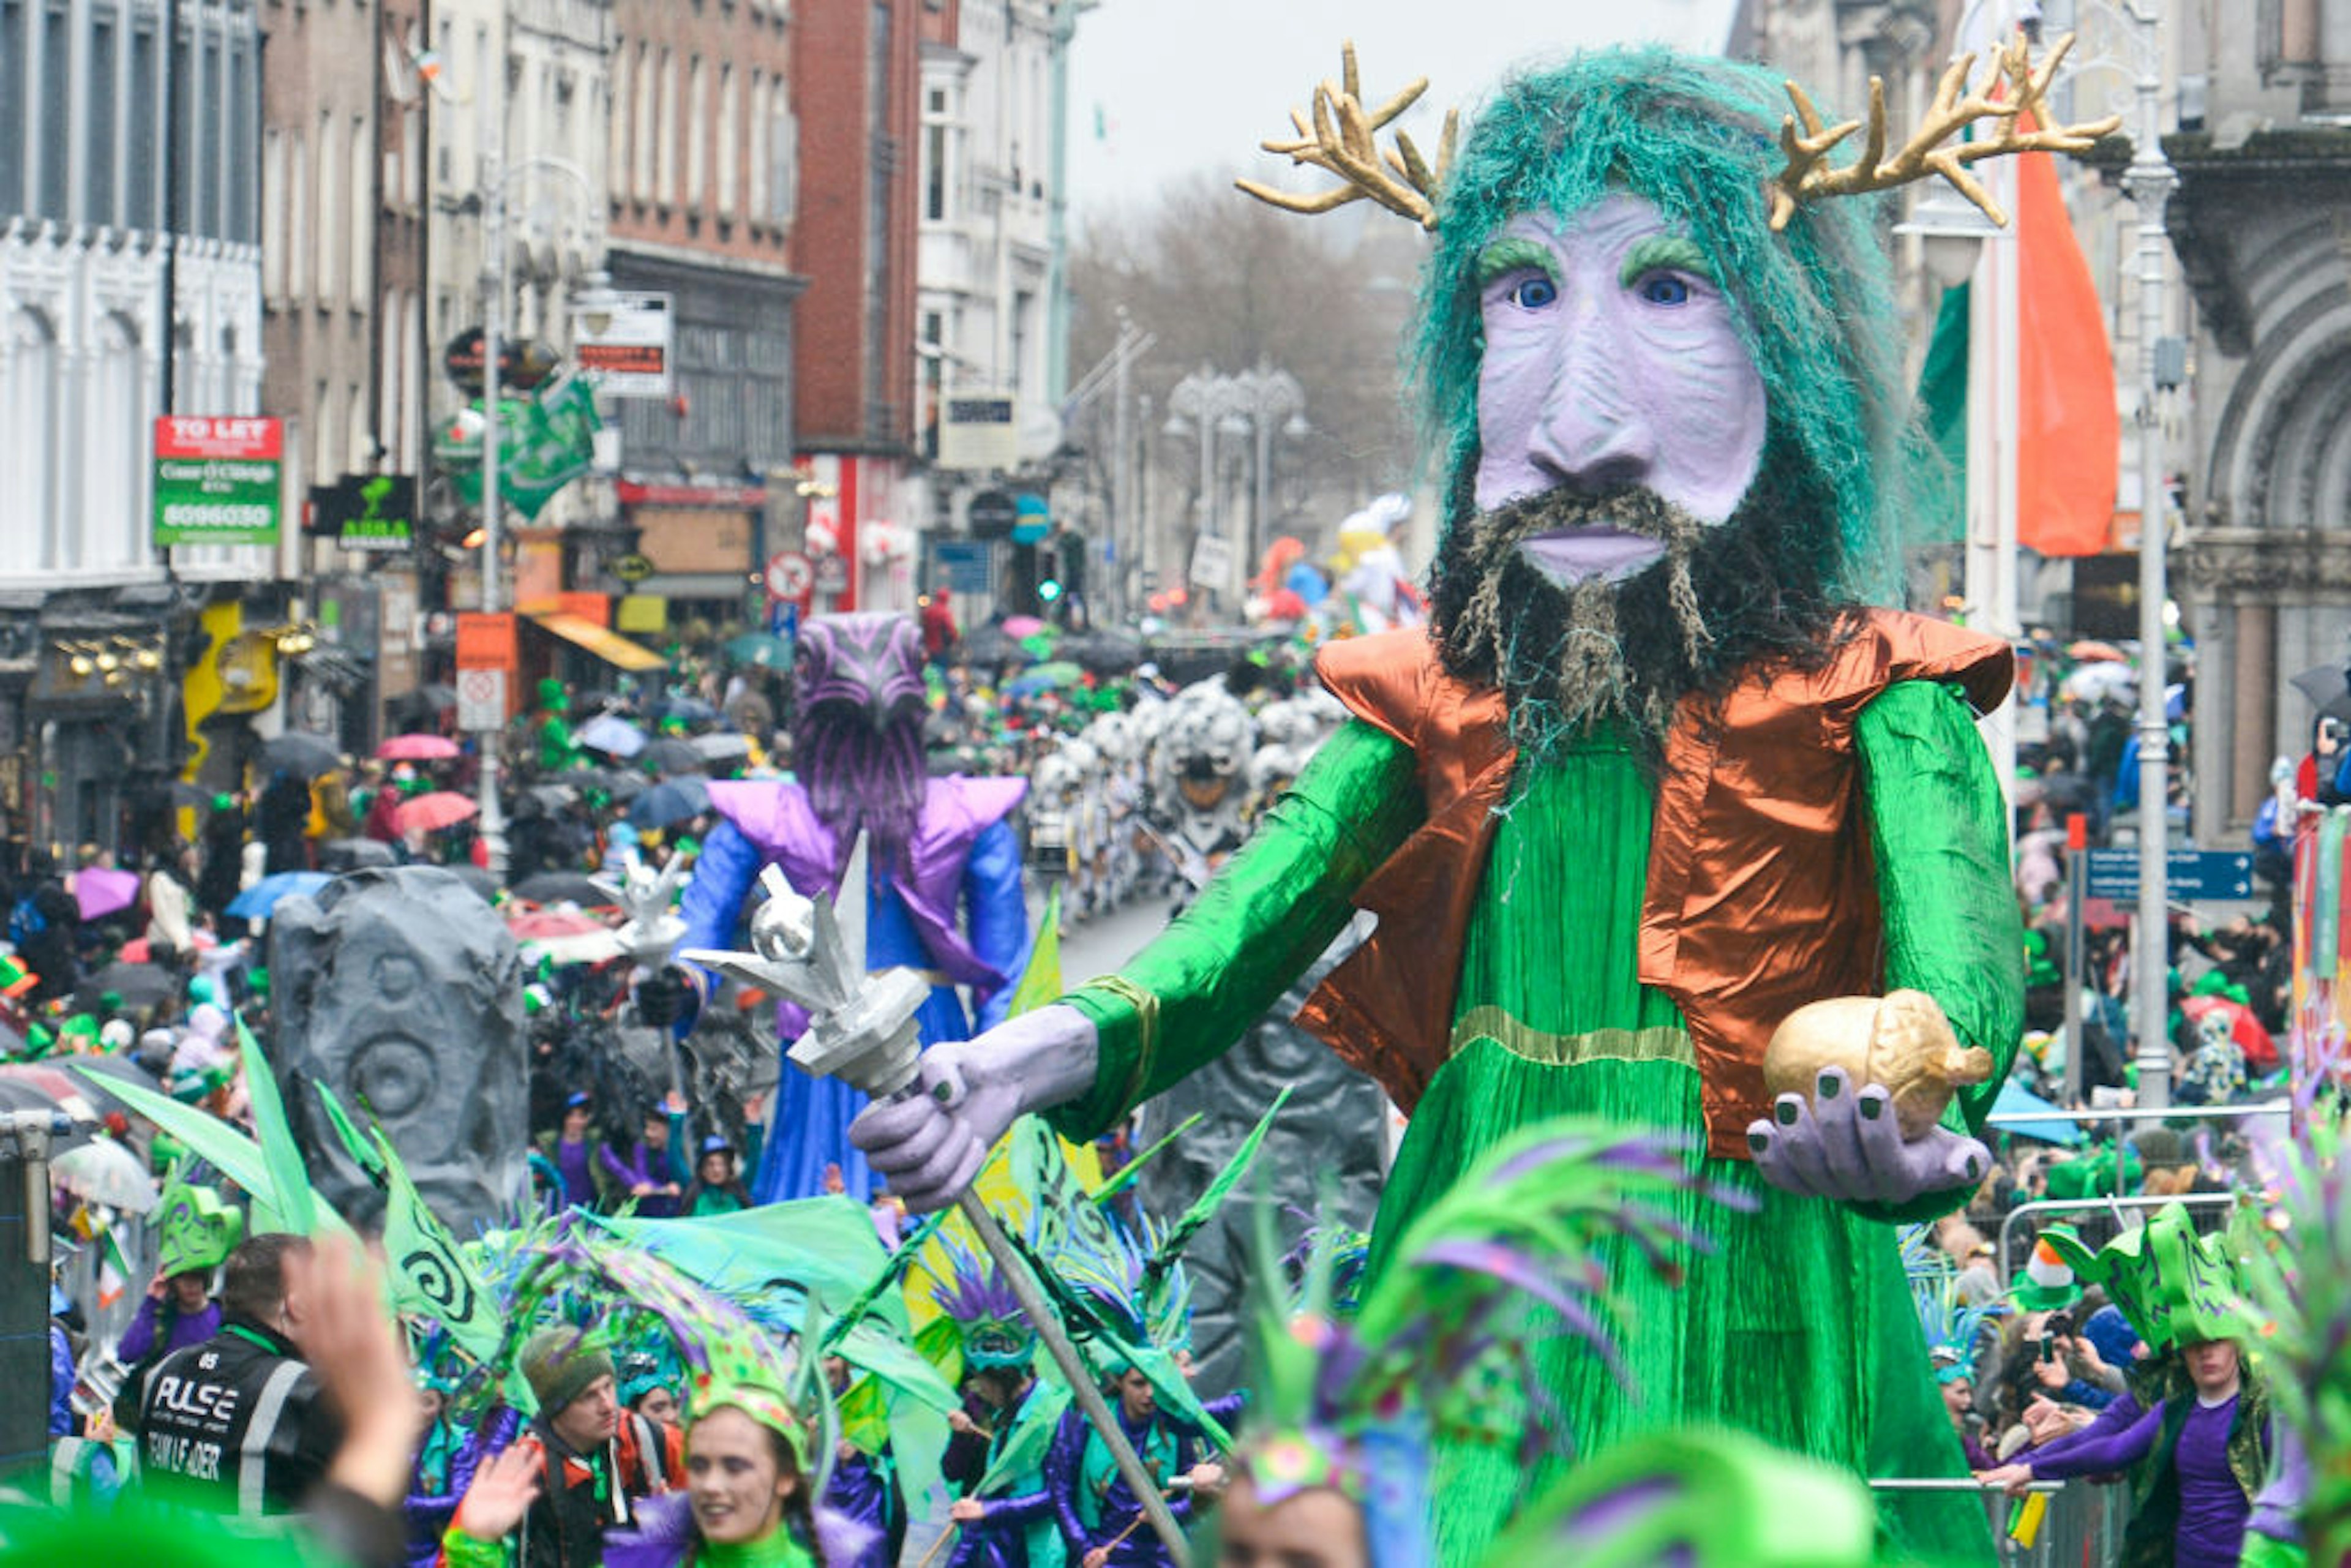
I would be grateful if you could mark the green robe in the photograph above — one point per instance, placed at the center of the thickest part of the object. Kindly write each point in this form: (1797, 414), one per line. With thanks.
(1799, 1327)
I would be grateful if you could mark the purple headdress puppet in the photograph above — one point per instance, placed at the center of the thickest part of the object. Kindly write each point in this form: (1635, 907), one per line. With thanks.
(857, 731)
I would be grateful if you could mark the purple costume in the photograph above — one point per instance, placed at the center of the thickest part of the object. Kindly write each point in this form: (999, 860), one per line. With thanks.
(1093, 1499)
(664, 1537)
(938, 845)
(432, 1503)
(187, 1327)
(864, 1489)
(649, 1168)
(2212, 1505)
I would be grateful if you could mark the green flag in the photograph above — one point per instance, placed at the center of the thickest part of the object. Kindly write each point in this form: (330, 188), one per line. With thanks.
(1040, 982)
(1943, 413)
(290, 1181)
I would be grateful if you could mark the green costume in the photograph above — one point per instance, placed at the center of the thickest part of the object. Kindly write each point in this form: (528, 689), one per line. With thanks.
(1799, 1327)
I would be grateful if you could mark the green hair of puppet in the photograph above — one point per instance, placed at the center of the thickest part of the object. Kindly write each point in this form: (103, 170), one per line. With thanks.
(1697, 138)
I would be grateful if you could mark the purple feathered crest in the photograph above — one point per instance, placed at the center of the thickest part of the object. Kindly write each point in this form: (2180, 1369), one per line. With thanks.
(857, 737)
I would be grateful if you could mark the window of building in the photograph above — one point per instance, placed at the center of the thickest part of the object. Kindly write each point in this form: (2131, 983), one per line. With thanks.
(99, 189)
(142, 195)
(648, 110)
(52, 139)
(326, 228)
(274, 236)
(730, 141)
(32, 388)
(296, 236)
(209, 212)
(243, 109)
(665, 188)
(783, 160)
(16, 138)
(698, 131)
(618, 124)
(363, 218)
(116, 435)
(755, 196)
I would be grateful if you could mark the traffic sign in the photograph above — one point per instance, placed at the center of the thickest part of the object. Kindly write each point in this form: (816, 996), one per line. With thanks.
(992, 514)
(967, 566)
(485, 642)
(481, 700)
(2188, 874)
(789, 576)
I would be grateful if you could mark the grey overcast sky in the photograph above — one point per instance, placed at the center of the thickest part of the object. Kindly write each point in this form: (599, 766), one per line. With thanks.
(1160, 89)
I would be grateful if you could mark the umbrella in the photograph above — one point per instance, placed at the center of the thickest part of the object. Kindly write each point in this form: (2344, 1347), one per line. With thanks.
(691, 710)
(612, 781)
(543, 925)
(431, 814)
(103, 1171)
(2094, 683)
(478, 882)
(613, 736)
(1105, 651)
(351, 855)
(1018, 626)
(764, 650)
(2323, 684)
(670, 803)
(431, 697)
(551, 797)
(721, 746)
(139, 985)
(563, 886)
(671, 754)
(2091, 652)
(100, 890)
(1046, 677)
(299, 752)
(595, 947)
(256, 901)
(2015, 1098)
(990, 646)
(417, 748)
(62, 1089)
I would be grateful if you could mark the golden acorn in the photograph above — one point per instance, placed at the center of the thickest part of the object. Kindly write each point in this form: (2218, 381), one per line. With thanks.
(1901, 1040)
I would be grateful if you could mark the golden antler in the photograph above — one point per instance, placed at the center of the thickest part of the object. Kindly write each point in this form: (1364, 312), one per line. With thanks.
(1806, 177)
(1344, 140)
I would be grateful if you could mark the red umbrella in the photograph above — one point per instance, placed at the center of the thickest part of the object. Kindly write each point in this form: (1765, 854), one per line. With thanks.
(2260, 1051)
(2091, 652)
(430, 814)
(100, 891)
(547, 925)
(417, 748)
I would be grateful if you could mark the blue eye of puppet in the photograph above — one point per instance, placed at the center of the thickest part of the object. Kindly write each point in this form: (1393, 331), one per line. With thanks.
(1663, 288)
(1533, 292)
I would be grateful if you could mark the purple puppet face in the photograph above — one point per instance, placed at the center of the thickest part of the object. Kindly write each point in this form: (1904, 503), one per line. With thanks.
(1613, 359)
(857, 741)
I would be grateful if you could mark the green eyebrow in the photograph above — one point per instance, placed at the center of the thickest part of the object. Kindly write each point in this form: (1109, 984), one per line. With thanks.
(1675, 252)
(1512, 254)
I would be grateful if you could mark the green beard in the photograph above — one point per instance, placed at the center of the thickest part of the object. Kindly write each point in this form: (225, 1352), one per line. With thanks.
(1600, 656)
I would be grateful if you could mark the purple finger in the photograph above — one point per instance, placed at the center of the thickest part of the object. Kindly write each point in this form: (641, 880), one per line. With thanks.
(924, 1198)
(1837, 1113)
(887, 1121)
(916, 1147)
(1799, 1142)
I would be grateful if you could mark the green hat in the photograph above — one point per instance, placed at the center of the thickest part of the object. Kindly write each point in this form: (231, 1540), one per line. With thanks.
(197, 1231)
(2173, 1286)
(559, 1363)
(551, 693)
(2046, 1282)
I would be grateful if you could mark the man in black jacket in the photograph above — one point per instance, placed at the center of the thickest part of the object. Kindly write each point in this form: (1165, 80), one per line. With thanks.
(238, 1424)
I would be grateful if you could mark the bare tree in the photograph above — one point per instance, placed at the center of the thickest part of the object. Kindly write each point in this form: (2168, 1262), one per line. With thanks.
(1227, 283)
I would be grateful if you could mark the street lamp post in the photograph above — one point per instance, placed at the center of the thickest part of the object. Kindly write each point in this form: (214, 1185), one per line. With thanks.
(1255, 404)
(2149, 181)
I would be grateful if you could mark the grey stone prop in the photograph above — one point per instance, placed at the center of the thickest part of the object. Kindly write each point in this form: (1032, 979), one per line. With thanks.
(401, 991)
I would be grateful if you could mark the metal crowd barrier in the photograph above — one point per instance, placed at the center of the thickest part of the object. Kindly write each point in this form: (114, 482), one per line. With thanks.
(2081, 1525)
(2194, 1201)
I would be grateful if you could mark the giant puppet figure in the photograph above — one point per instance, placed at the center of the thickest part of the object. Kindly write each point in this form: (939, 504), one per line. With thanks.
(1652, 779)
(944, 868)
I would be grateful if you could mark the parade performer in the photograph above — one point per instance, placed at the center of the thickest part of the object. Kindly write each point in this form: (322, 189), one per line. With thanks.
(2194, 1431)
(195, 1232)
(1005, 1516)
(1651, 780)
(937, 845)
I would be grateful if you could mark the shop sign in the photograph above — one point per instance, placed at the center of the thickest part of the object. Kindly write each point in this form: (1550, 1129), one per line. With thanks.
(217, 480)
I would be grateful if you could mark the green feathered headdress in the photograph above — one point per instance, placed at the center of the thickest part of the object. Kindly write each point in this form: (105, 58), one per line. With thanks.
(194, 1229)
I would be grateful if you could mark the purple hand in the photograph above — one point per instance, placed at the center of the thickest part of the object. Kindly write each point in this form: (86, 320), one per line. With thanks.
(931, 1144)
(1846, 1147)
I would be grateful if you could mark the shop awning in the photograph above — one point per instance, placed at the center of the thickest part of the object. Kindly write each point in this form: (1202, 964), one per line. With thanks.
(610, 646)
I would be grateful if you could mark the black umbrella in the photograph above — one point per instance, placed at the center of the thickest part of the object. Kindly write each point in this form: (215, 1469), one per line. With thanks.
(692, 710)
(299, 752)
(551, 797)
(352, 855)
(670, 803)
(672, 756)
(2323, 684)
(1105, 651)
(557, 887)
(139, 986)
(475, 878)
(991, 645)
(616, 782)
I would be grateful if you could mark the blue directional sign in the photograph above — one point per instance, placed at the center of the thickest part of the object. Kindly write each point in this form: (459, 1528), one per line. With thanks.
(2189, 875)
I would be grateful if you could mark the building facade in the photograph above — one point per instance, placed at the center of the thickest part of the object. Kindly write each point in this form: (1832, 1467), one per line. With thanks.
(704, 189)
(2259, 221)
(855, 80)
(130, 287)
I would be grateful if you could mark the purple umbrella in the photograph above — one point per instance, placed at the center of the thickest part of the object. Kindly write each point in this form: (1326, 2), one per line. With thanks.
(101, 892)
